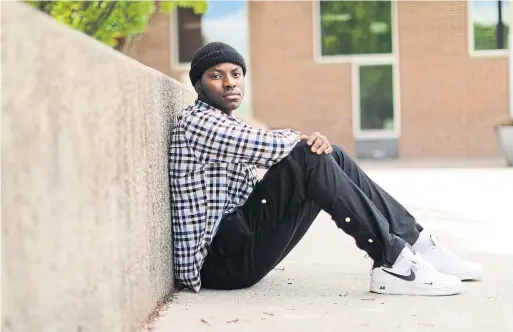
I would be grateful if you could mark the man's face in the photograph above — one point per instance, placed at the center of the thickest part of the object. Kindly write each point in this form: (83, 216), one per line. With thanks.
(222, 86)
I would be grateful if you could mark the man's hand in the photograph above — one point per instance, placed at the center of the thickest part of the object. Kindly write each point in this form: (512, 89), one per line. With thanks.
(318, 142)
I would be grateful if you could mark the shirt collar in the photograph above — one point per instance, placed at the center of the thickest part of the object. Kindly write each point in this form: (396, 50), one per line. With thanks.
(201, 105)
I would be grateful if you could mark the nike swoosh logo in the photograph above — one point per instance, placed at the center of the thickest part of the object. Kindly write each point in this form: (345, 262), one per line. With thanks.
(409, 277)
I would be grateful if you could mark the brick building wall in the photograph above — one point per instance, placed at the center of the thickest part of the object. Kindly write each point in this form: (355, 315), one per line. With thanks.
(449, 100)
(156, 48)
(289, 88)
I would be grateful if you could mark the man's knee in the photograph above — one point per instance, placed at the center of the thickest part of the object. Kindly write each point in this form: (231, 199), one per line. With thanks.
(338, 148)
(303, 152)
(340, 155)
(302, 145)
(300, 151)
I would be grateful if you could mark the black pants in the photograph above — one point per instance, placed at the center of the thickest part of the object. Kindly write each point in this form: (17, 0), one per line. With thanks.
(251, 241)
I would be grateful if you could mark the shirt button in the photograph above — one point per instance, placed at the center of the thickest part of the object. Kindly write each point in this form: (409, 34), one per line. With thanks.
(264, 201)
(348, 219)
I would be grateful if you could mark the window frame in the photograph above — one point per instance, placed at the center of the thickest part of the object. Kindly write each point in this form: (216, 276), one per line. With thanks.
(358, 132)
(175, 44)
(470, 36)
(317, 45)
(364, 60)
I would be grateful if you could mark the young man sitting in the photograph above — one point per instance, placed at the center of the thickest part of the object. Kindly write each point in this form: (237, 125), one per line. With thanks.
(230, 230)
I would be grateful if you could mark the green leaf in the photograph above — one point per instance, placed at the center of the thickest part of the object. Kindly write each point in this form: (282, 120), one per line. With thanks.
(110, 21)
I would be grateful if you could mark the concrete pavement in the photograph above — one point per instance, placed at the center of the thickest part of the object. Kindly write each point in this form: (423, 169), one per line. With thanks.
(323, 284)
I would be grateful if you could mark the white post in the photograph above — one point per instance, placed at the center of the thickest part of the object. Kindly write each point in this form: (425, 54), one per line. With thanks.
(510, 47)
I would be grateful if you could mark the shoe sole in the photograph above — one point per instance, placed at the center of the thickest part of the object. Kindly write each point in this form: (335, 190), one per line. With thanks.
(384, 288)
(469, 276)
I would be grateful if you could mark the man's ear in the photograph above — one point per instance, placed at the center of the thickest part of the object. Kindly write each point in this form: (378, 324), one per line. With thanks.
(197, 86)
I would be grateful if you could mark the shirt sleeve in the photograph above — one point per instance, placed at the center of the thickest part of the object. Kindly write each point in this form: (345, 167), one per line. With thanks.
(215, 137)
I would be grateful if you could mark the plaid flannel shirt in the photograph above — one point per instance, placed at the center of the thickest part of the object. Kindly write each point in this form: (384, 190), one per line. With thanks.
(213, 161)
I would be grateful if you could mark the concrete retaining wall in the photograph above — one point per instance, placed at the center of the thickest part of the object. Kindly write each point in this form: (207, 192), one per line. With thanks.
(86, 234)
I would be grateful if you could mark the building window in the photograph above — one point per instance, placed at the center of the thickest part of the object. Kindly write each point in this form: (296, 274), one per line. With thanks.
(488, 24)
(362, 33)
(355, 27)
(376, 90)
(189, 34)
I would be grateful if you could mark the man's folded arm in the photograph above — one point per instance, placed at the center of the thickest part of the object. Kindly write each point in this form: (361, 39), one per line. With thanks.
(217, 138)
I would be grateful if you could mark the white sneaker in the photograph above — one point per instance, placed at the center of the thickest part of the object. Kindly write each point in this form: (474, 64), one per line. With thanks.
(412, 275)
(447, 262)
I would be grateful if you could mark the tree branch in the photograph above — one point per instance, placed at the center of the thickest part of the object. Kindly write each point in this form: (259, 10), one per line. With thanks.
(97, 24)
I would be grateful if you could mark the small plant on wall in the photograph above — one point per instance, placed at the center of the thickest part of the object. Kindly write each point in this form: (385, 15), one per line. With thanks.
(504, 131)
(507, 122)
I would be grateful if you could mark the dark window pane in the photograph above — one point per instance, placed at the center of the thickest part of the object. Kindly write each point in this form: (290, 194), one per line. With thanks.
(376, 97)
(356, 27)
(189, 34)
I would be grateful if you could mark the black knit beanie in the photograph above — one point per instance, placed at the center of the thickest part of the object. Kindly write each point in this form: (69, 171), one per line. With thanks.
(210, 55)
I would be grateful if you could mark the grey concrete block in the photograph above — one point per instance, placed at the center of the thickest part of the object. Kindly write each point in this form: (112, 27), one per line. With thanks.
(86, 229)
(377, 148)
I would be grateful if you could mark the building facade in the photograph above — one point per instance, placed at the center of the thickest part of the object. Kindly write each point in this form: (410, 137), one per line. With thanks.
(384, 79)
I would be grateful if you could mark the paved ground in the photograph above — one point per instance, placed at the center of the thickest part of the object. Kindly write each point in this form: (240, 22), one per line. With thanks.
(469, 208)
